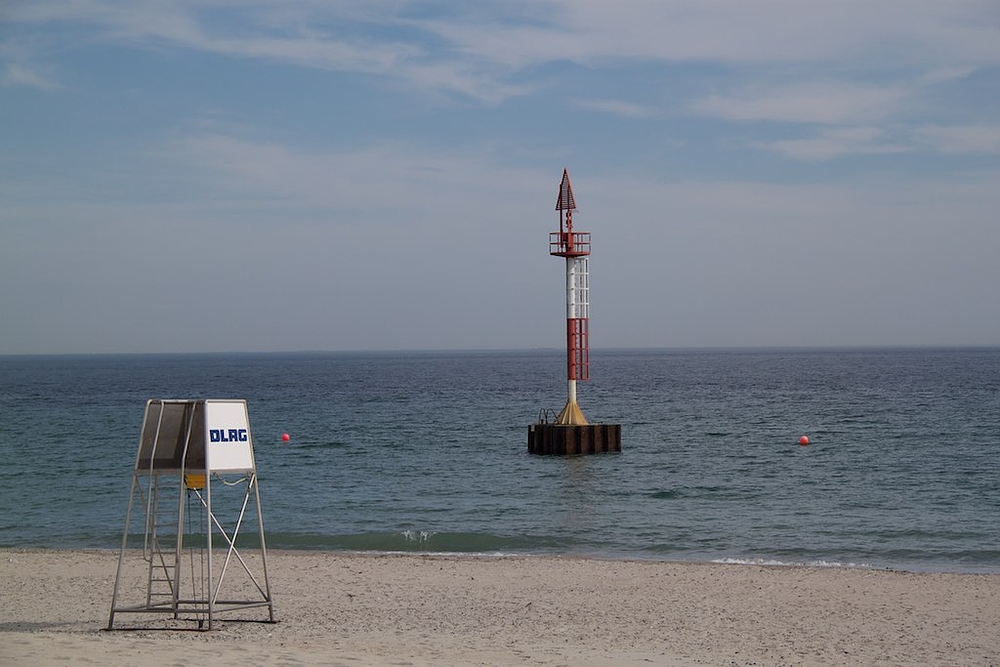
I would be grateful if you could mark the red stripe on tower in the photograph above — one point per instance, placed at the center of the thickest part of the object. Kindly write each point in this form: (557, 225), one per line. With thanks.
(577, 348)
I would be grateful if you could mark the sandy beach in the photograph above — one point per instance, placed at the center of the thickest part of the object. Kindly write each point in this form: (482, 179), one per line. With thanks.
(381, 610)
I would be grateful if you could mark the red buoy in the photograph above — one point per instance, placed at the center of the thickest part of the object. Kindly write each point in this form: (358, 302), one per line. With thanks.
(284, 436)
(804, 440)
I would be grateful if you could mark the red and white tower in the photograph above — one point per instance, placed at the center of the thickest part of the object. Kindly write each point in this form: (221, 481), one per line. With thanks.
(571, 433)
(575, 247)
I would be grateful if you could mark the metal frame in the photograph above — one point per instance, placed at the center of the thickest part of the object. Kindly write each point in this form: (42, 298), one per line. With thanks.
(569, 244)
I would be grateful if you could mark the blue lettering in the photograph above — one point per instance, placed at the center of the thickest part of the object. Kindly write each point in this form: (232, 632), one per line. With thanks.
(228, 435)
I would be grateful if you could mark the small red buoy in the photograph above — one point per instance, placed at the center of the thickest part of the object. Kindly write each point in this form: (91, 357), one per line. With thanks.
(804, 440)
(284, 436)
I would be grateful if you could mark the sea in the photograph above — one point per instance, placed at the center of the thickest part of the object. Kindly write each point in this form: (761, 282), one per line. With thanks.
(426, 452)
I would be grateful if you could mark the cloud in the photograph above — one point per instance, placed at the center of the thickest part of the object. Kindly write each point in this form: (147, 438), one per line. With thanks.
(483, 52)
(319, 37)
(827, 102)
(615, 108)
(873, 35)
(960, 139)
(947, 74)
(834, 142)
(378, 181)
(20, 75)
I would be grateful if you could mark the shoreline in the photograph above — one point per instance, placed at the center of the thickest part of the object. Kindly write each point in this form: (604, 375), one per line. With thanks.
(345, 608)
(927, 568)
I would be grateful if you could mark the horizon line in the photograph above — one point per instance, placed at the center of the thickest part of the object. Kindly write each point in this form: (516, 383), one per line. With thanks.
(612, 349)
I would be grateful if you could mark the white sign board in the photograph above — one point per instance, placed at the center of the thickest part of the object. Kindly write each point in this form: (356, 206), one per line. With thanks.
(228, 444)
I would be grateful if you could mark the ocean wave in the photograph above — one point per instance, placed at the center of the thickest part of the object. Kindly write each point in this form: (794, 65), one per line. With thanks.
(419, 541)
(771, 562)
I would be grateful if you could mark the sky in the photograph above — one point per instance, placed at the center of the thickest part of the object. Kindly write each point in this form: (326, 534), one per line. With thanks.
(281, 175)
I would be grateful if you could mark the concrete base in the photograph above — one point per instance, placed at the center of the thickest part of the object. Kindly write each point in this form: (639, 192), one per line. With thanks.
(574, 439)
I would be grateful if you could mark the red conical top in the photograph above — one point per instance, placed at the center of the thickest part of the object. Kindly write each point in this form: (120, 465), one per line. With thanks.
(565, 202)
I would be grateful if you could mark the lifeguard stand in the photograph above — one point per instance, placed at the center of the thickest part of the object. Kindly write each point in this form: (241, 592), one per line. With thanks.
(187, 450)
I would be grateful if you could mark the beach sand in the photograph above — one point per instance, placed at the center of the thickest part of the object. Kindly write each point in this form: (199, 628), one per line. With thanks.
(359, 610)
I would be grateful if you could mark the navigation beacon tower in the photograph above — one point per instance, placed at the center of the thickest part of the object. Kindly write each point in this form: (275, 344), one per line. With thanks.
(571, 433)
